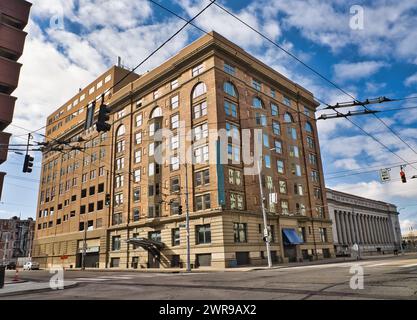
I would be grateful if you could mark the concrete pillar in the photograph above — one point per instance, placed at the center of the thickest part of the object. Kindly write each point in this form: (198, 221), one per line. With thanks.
(338, 227)
(371, 233)
(345, 235)
(342, 228)
(364, 230)
(362, 236)
(381, 235)
(355, 227)
(386, 231)
(348, 230)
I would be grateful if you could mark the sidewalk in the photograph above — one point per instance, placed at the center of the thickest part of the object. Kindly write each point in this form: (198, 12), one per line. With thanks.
(249, 268)
(25, 287)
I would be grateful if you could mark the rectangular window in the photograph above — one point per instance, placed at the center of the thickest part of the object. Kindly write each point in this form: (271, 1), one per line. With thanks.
(278, 146)
(266, 140)
(115, 244)
(203, 233)
(175, 184)
(240, 230)
(286, 101)
(310, 142)
(155, 236)
(274, 109)
(202, 177)
(175, 237)
(284, 207)
(136, 214)
(120, 163)
(315, 176)
(139, 120)
(138, 156)
(323, 234)
(197, 70)
(312, 158)
(120, 146)
(200, 110)
(229, 69)
(294, 152)
(256, 85)
(282, 187)
(138, 137)
(174, 84)
(175, 121)
(119, 181)
(292, 132)
(230, 109)
(136, 195)
(280, 166)
(175, 163)
(174, 102)
(200, 132)
(267, 160)
(202, 202)
(276, 128)
(233, 153)
(136, 175)
(201, 154)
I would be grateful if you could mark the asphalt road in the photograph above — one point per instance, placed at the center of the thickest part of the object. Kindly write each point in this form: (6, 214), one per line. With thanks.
(386, 278)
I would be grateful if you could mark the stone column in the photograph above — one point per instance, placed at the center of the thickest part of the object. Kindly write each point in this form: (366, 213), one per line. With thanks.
(371, 230)
(338, 227)
(364, 229)
(349, 228)
(362, 236)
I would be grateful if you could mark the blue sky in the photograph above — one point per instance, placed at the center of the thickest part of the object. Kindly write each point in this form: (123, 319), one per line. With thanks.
(70, 42)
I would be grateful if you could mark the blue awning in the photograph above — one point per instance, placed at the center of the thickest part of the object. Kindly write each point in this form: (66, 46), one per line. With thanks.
(291, 237)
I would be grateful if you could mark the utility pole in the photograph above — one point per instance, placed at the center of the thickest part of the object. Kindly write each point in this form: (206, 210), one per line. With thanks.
(187, 219)
(5, 247)
(266, 231)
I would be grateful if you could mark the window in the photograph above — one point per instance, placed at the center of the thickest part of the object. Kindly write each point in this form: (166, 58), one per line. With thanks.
(175, 237)
(320, 211)
(151, 169)
(175, 207)
(136, 195)
(155, 236)
(233, 153)
(235, 177)
(315, 176)
(286, 101)
(175, 119)
(284, 207)
(280, 166)
(156, 94)
(120, 131)
(300, 209)
(197, 70)
(230, 109)
(119, 181)
(118, 199)
(323, 234)
(267, 160)
(200, 132)
(115, 243)
(203, 233)
(294, 152)
(174, 84)
(100, 205)
(117, 218)
(202, 202)
(156, 112)
(240, 230)
(292, 132)
(138, 156)
(278, 146)
(120, 163)
(257, 103)
(276, 128)
(260, 119)
(310, 142)
(114, 262)
(175, 142)
(138, 120)
(199, 90)
(308, 127)
(232, 130)
(282, 187)
(302, 233)
(136, 175)
(312, 158)
(317, 193)
(136, 214)
(256, 85)
(82, 209)
(236, 201)
(120, 146)
(296, 169)
(175, 184)
(175, 163)
(266, 140)
(288, 118)
(101, 171)
(174, 102)
(273, 93)
(92, 174)
(84, 178)
(274, 109)
(81, 226)
(202, 177)
(201, 154)
(200, 110)
(92, 190)
(229, 88)
(298, 189)
(138, 137)
(90, 207)
(229, 69)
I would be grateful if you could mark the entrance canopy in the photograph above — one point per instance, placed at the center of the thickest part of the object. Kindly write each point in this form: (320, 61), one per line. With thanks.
(291, 236)
(148, 244)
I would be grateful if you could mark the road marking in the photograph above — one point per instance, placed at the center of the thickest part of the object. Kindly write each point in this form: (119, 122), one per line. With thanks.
(409, 265)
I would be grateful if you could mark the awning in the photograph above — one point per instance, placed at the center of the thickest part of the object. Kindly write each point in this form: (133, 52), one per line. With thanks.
(148, 244)
(291, 236)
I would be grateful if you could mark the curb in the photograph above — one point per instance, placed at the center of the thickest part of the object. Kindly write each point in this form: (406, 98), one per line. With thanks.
(30, 291)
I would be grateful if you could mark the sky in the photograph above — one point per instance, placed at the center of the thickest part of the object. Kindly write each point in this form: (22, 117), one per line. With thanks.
(71, 42)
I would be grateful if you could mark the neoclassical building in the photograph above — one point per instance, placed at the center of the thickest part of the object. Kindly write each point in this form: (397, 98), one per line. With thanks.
(372, 225)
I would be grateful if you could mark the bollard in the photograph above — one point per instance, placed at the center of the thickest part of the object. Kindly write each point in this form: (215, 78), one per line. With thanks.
(2, 275)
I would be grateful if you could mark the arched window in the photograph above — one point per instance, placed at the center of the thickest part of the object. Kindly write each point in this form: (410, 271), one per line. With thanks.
(288, 118)
(257, 103)
(157, 112)
(199, 89)
(120, 131)
(309, 127)
(230, 89)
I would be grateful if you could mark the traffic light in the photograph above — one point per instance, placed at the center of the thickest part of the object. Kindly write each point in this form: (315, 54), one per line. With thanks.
(107, 200)
(180, 209)
(403, 177)
(103, 117)
(28, 164)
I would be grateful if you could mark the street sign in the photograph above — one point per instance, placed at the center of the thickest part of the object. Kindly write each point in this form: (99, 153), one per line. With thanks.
(385, 175)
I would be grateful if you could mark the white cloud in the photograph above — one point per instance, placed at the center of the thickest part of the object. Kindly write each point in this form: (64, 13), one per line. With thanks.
(347, 163)
(411, 80)
(356, 70)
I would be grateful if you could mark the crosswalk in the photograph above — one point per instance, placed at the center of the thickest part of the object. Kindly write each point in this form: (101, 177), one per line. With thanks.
(133, 276)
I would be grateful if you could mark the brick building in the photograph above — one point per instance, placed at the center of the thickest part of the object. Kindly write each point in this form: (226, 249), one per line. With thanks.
(14, 16)
(210, 86)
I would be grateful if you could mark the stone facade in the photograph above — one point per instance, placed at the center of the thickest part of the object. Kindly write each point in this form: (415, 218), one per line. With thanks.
(373, 225)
